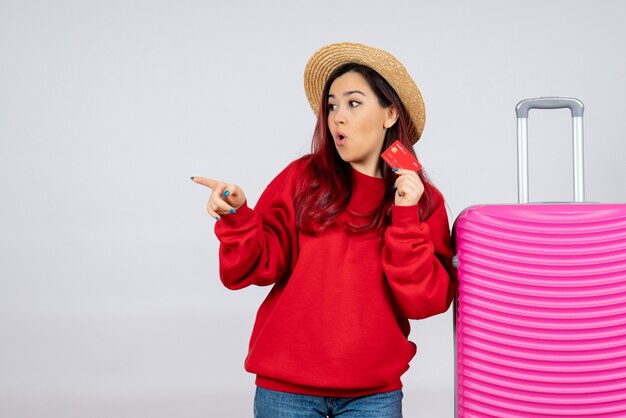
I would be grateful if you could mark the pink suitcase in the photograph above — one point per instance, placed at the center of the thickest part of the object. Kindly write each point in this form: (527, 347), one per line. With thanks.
(540, 318)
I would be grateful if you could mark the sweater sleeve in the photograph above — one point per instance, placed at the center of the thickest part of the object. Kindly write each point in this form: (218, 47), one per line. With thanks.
(257, 245)
(417, 260)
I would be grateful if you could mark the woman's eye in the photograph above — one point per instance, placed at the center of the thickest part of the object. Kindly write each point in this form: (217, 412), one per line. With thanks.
(354, 103)
(331, 107)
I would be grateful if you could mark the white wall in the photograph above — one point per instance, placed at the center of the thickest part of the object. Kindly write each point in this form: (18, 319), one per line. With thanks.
(110, 301)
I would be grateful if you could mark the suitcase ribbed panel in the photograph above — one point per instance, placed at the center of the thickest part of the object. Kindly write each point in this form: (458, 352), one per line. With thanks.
(541, 311)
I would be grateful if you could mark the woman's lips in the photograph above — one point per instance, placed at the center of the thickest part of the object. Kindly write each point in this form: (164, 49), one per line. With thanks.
(341, 138)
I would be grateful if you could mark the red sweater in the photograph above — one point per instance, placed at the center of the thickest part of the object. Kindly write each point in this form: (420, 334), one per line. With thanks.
(336, 320)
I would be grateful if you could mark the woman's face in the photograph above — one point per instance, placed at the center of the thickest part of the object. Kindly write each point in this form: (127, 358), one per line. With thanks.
(357, 122)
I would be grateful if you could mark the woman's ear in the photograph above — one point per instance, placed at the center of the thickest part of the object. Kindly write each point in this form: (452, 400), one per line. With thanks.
(391, 117)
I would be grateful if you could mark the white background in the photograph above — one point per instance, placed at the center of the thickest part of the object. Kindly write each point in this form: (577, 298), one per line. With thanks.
(110, 301)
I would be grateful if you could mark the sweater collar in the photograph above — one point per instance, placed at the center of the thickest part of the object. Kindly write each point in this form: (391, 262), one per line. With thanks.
(360, 180)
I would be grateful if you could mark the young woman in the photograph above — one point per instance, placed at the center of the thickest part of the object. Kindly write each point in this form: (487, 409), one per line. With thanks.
(353, 249)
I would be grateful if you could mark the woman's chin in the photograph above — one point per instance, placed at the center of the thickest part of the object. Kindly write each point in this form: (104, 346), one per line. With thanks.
(343, 154)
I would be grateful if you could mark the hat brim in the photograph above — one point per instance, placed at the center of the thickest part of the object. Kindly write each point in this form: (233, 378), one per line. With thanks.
(325, 60)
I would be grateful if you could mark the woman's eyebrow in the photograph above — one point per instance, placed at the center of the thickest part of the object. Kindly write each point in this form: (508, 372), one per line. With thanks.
(349, 93)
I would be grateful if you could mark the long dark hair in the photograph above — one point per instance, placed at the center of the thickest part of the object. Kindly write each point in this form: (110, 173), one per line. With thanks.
(325, 187)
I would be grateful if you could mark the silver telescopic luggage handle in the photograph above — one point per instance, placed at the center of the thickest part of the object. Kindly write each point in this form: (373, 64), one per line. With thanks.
(577, 108)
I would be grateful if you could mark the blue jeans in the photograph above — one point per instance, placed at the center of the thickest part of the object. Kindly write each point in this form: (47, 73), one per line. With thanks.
(273, 404)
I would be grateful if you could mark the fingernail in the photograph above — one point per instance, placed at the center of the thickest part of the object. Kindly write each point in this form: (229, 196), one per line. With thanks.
(226, 193)
(192, 177)
(233, 211)
(394, 170)
(217, 218)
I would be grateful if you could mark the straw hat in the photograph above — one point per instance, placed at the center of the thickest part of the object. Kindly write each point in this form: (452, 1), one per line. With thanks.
(328, 58)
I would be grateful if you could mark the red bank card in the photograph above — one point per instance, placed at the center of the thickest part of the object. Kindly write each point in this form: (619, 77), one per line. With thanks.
(397, 156)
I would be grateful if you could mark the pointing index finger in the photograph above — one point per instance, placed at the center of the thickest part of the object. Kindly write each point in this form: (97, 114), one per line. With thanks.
(210, 183)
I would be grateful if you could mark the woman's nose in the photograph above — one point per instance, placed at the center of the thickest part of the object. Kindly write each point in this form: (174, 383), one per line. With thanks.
(340, 116)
